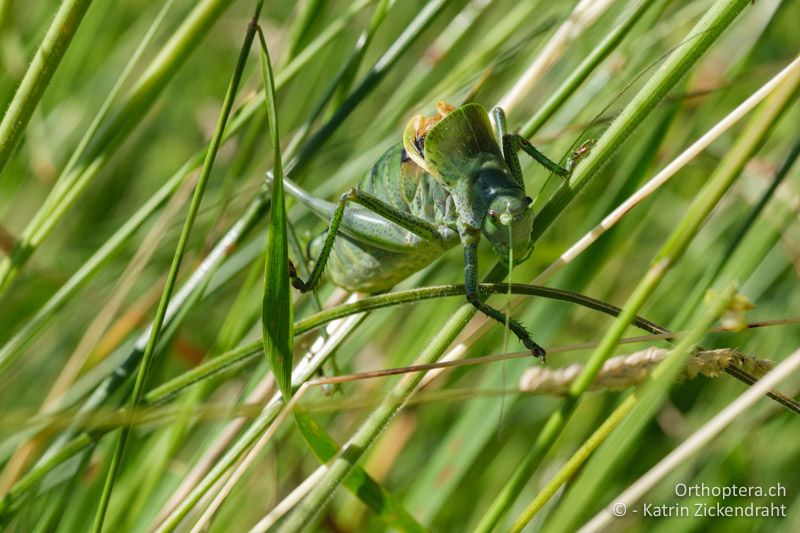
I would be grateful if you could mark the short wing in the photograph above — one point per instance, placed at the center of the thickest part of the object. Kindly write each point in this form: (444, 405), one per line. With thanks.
(457, 145)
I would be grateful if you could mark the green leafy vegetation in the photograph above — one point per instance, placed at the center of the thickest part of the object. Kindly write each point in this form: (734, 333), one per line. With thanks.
(158, 372)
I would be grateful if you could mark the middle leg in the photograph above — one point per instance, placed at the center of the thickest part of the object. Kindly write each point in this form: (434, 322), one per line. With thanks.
(421, 228)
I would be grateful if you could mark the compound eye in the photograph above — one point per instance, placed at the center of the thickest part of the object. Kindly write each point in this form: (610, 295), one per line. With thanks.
(528, 200)
(493, 214)
(419, 144)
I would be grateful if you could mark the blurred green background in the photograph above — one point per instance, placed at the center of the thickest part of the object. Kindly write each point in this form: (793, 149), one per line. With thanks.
(447, 456)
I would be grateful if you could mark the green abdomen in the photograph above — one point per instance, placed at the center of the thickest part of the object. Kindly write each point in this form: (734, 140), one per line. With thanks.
(358, 266)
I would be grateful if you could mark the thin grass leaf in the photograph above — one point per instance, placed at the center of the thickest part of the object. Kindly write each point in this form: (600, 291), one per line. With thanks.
(143, 95)
(48, 56)
(276, 315)
(138, 388)
(632, 414)
(758, 129)
(383, 503)
(206, 450)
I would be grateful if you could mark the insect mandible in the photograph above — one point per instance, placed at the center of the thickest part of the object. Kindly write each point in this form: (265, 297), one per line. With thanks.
(450, 181)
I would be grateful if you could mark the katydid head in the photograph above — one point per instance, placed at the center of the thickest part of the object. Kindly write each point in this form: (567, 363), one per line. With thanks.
(460, 150)
(507, 226)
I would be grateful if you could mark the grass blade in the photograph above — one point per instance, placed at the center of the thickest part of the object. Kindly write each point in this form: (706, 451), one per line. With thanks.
(97, 153)
(276, 316)
(138, 388)
(759, 127)
(383, 503)
(55, 43)
(634, 412)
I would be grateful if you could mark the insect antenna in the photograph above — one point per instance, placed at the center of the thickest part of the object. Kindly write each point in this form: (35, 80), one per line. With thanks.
(599, 117)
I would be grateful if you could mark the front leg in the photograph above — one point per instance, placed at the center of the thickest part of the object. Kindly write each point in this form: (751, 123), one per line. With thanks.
(471, 286)
(421, 228)
(513, 142)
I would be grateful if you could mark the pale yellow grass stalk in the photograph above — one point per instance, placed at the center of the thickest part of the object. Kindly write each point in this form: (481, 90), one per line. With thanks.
(701, 438)
(583, 16)
(628, 370)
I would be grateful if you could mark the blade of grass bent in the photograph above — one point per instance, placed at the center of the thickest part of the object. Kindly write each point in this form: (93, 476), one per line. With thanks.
(33, 327)
(138, 388)
(276, 311)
